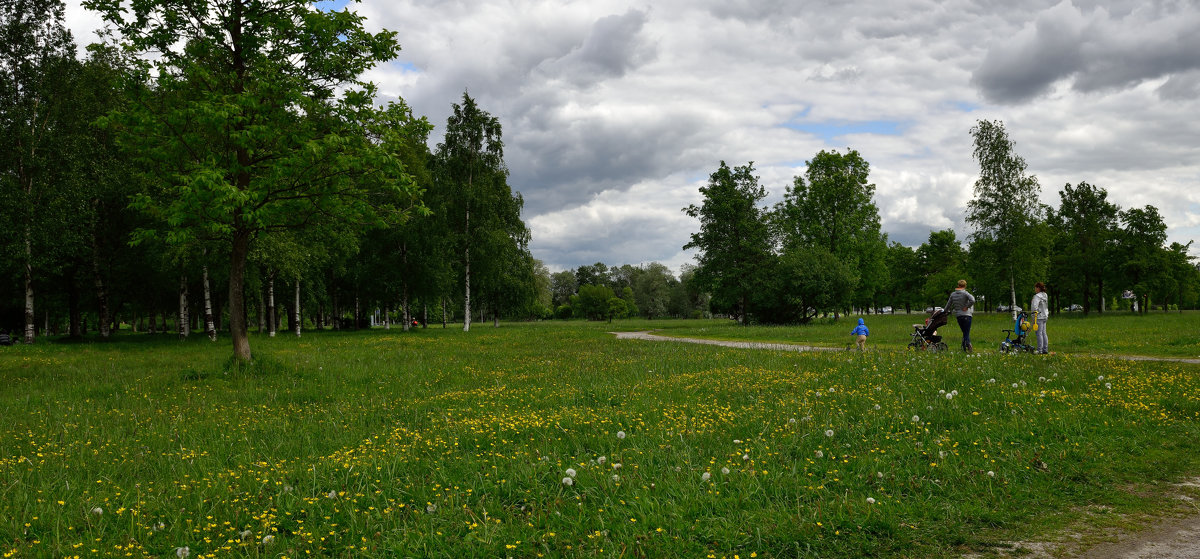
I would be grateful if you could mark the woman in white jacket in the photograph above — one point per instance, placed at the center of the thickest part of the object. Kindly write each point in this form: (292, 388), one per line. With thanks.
(1041, 310)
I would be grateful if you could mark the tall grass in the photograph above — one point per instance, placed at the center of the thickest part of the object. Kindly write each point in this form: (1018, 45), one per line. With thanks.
(555, 439)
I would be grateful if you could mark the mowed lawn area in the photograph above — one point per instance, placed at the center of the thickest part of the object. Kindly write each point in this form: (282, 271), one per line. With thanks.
(1155, 334)
(555, 439)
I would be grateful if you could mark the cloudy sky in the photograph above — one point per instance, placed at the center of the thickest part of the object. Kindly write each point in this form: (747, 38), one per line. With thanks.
(615, 112)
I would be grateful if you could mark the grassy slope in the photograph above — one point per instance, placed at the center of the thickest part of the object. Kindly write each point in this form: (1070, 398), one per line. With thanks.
(452, 444)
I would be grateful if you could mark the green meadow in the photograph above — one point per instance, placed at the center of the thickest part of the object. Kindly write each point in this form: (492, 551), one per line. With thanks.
(557, 440)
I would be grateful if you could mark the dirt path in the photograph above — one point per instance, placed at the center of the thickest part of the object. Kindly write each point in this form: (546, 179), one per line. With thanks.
(1169, 538)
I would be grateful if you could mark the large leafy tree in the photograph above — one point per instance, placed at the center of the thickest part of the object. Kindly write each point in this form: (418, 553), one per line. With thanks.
(1006, 215)
(734, 241)
(1143, 260)
(470, 167)
(1086, 224)
(252, 116)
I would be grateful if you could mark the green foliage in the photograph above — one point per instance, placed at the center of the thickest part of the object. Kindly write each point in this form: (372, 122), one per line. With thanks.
(734, 241)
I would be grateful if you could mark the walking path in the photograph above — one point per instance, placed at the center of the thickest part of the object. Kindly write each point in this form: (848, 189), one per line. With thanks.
(1170, 539)
(650, 335)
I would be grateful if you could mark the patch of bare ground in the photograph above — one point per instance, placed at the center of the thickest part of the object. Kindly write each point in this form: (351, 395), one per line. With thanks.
(1102, 534)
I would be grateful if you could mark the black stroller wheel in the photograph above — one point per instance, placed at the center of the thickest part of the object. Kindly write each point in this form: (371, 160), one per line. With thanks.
(940, 346)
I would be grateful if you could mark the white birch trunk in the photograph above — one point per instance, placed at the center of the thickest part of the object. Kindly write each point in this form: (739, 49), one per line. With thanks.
(30, 327)
(271, 305)
(184, 320)
(209, 326)
(296, 308)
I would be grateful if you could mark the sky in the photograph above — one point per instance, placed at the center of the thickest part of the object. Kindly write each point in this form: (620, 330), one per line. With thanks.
(615, 113)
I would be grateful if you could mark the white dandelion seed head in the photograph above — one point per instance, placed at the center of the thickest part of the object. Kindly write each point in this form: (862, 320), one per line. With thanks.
(877, 406)
(819, 394)
(616, 478)
(268, 539)
(332, 494)
(792, 421)
(97, 511)
(941, 454)
(991, 473)
(991, 381)
(620, 434)
(705, 476)
(571, 472)
(745, 457)
(870, 500)
(820, 454)
(287, 489)
(941, 391)
(930, 408)
(1108, 385)
(1015, 385)
(737, 441)
(879, 475)
(246, 535)
(1041, 379)
(1023, 383)
(954, 392)
(616, 465)
(829, 432)
(678, 469)
(725, 471)
(831, 389)
(182, 552)
(158, 527)
(568, 481)
(878, 388)
(601, 460)
(949, 396)
(1101, 377)
(916, 419)
(807, 418)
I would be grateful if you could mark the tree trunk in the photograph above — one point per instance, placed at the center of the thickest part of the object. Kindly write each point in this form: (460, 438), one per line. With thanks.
(262, 312)
(467, 291)
(73, 313)
(101, 292)
(1100, 294)
(443, 311)
(404, 288)
(1012, 291)
(210, 327)
(296, 309)
(184, 318)
(30, 328)
(424, 314)
(357, 311)
(272, 322)
(237, 295)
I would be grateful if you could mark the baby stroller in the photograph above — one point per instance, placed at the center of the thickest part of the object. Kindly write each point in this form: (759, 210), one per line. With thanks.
(1019, 330)
(924, 336)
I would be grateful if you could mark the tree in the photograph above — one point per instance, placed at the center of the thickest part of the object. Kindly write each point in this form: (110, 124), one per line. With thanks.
(1143, 260)
(253, 116)
(593, 274)
(37, 62)
(1086, 223)
(470, 163)
(941, 262)
(652, 289)
(562, 287)
(734, 242)
(904, 281)
(1005, 211)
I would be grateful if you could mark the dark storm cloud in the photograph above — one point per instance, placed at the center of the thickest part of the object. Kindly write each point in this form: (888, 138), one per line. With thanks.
(611, 48)
(1097, 50)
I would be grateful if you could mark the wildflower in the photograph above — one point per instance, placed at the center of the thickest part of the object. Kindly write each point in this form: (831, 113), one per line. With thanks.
(705, 476)
(97, 511)
(745, 457)
(1108, 385)
(879, 475)
(940, 392)
(807, 418)
(916, 419)
(620, 434)
(831, 389)
(182, 552)
(991, 381)
(941, 454)
(567, 481)
(601, 460)
(829, 432)
(954, 392)
(820, 454)
(160, 527)
(616, 478)
(246, 535)
(792, 421)
(571, 472)
(949, 396)
(430, 507)
(991, 473)
(617, 466)
(877, 406)
(332, 494)
(268, 539)
(1041, 379)
(870, 500)
(1101, 377)
(725, 471)
(1015, 385)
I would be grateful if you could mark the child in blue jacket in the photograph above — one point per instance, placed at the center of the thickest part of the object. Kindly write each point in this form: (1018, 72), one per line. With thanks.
(862, 333)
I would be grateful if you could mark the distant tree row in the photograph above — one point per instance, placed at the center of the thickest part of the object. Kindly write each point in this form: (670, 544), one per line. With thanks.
(239, 143)
(597, 292)
(820, 251)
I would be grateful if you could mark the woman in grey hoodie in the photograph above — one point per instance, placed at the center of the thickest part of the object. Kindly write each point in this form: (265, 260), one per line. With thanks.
(962, 304)
(1041, 311)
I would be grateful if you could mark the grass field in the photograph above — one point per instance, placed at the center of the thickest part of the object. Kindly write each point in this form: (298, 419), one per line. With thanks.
(554, 439)
(1155, 334)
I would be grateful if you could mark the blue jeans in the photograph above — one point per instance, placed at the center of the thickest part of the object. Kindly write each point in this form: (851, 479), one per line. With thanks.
(964, 324)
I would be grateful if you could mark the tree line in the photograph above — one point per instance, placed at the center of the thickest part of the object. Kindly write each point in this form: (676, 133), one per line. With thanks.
(821, 251)
(238, 142)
